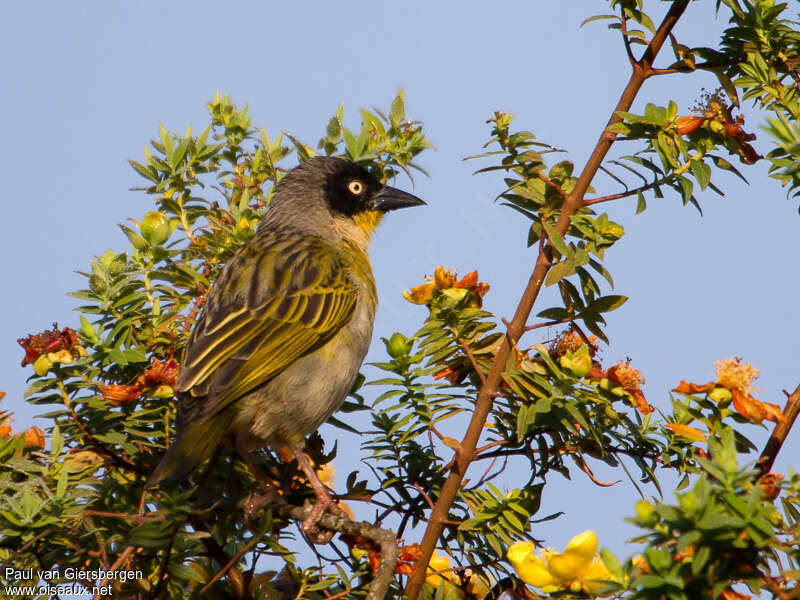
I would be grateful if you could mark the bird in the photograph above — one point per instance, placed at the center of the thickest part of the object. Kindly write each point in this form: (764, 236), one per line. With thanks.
(286, 325)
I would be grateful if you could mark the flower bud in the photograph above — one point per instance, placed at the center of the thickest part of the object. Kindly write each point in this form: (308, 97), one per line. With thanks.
(42, 365)
(163, 391)
(644, 510)
(397, 346)
(578, 363)
(720, 394)
(155, 228)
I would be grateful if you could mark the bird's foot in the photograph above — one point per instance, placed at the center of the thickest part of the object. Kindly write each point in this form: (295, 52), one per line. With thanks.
(310, 526)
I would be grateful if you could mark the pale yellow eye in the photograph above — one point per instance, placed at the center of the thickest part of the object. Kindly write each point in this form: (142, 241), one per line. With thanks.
(355, 187)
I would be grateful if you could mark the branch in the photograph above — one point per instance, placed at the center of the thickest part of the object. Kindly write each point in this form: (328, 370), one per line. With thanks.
(383, 538)
(627, 193)
(684, 68)
(485, 399)
(778, 437)
(625, 39)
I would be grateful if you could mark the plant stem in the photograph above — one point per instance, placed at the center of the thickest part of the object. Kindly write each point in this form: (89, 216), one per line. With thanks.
(483, 404)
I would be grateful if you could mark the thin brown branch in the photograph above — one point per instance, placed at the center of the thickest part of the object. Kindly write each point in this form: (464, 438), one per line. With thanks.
(625, 39)
(625, 194)
(24, 547)
(549, 182)
(418, 487)
(573, 203)
(548, 324)
(121, 559)
(229, 565)
(383, 538)
(778, 437)
(216, 552)
(685, 68)
(473, 361)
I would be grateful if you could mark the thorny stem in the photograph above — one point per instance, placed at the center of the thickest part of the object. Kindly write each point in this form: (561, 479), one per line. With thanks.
(574, 201)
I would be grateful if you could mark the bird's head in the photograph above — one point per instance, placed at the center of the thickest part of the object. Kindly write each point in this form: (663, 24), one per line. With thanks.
(344, 190)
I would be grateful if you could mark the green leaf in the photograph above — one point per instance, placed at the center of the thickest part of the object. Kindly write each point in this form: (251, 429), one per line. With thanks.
(61, 486)
(556, 239)
(606, 304)
(641, 205)
(598, 18)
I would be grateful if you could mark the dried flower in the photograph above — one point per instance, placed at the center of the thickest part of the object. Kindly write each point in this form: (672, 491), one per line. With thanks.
(120, 394)
(630, 380)
(735, 382)
(49, 347)
(717, 116)
(407, 558)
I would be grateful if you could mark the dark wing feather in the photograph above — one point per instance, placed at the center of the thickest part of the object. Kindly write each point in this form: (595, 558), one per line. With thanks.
(276, 300)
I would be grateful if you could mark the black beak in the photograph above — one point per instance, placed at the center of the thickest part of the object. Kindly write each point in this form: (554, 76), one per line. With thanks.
(389, 198)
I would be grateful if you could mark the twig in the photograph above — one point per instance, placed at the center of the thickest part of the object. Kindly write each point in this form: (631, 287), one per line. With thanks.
(574, 202)
(216, 552)
(548, 324)
(684, 68)
(625, 39)
(424, 494)
(126, 554)
(778, 437)
(383, 538)
(626, 193)
(472, 360)
(549, 182)
(163, 570)
(24, 547)
(228, 566)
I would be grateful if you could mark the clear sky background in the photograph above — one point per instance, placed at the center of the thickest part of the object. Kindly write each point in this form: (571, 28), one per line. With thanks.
(84, 86)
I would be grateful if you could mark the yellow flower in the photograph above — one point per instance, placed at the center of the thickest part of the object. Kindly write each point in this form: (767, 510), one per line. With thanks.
(439, 563)
(326, 474)
(532, 569)
(577, 568)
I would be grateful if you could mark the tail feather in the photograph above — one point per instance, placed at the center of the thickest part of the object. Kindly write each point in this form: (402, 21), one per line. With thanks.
(195, 443)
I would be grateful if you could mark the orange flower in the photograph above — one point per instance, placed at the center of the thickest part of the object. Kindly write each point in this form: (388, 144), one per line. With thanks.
(5, 427)
(34, 438)
(693, 388)
(768, 483)
(120, 394)
(159, 374)
(721, 121)
(684, 125)
(51, 341)
(630, 380)
(445, 279)
(736, 377)
(407, 559)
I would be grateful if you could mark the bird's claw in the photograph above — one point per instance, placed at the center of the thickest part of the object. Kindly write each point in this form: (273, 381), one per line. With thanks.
(310, 526)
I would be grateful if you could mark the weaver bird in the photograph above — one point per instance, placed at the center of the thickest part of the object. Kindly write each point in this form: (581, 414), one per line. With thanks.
(286, 325)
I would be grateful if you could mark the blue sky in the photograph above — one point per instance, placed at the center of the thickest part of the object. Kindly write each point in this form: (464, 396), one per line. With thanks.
(86, 84)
